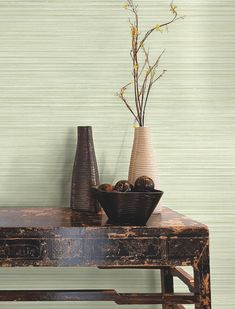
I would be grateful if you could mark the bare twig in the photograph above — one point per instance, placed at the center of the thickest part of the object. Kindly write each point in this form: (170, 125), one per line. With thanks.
(147, 95)
(122, 97)
(143, 85)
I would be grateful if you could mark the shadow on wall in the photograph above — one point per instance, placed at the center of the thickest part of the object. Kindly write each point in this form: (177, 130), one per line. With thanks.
(109, 171)
(67, 167)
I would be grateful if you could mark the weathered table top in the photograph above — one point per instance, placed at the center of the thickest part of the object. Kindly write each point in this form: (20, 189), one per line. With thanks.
(63, 237)
(32, 219)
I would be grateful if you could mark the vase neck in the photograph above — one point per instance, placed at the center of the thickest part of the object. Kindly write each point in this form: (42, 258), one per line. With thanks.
(84, 133)
(142, 131)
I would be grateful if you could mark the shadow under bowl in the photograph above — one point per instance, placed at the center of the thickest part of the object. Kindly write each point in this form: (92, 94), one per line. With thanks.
(132, 208)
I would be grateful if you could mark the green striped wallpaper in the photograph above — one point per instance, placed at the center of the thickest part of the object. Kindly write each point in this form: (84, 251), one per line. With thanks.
(61, 63)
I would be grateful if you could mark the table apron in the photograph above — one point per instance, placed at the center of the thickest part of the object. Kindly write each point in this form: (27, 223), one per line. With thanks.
(61, 251)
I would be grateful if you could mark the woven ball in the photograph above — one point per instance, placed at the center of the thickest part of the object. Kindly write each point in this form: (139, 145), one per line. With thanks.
(144, 184)
(123, 186)
(106, 187)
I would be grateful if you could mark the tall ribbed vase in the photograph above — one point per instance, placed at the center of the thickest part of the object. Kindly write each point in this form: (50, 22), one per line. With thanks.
(142, 162)
(85, 173)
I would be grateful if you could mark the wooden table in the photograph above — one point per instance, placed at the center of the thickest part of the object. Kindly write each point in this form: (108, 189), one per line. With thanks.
(62, 237)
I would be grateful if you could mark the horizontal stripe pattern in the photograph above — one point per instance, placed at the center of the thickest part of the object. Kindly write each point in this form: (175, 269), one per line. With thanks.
(61, 64)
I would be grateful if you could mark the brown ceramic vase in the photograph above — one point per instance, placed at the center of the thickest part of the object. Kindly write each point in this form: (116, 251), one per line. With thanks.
(85, 173)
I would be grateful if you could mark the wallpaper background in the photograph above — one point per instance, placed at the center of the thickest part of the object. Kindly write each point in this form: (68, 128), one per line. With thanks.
(61, 63)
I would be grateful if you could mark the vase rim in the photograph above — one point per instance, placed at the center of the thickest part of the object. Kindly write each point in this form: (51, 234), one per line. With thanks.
(83, 126)
(142, 128)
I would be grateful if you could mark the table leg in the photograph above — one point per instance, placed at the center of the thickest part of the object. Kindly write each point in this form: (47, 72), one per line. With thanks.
(167, 284)
(202, 279)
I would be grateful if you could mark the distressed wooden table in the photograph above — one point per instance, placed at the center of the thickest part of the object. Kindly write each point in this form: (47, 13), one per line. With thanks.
(63, 237)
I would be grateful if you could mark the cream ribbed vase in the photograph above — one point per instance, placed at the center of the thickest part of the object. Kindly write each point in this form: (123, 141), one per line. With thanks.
(142, 161)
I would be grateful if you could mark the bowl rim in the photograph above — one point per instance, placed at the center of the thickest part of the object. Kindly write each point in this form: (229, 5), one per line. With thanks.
(156, 191)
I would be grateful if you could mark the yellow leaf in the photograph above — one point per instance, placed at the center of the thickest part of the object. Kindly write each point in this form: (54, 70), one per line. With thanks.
(125, 6)
(158, 28)
(134, 31)
(173, 8)
(134, 124)
(136, 67)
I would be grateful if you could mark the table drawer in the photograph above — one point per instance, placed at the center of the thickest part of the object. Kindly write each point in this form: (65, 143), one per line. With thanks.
(138, 249)
(185, 247)
(21, 249)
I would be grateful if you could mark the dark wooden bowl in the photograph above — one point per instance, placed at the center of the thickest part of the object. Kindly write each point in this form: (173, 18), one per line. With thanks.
(133, 208)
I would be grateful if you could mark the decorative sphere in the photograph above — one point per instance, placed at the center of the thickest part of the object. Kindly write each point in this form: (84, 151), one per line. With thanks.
(106, 187)
(144, 184)
(123, 186)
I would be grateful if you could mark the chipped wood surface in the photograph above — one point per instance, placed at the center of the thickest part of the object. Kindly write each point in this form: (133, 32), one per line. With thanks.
(32, 219)
(63, 237)
(183, 276)
(97, 295)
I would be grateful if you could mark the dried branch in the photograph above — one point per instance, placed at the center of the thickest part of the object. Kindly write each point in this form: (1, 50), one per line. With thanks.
(121, 95)
(147, 95)
(160, 26)
(143, 85)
